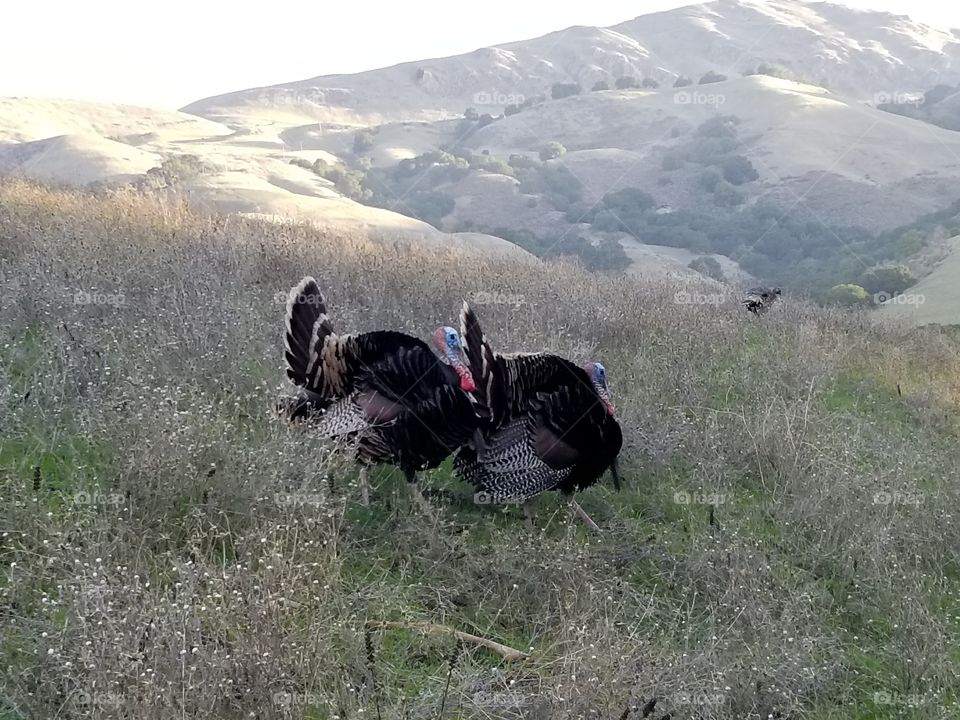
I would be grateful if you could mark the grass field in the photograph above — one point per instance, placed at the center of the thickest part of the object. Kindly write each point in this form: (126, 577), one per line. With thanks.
(786, 545)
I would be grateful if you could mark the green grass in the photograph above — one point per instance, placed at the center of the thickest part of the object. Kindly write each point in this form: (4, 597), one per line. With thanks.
(237, 558)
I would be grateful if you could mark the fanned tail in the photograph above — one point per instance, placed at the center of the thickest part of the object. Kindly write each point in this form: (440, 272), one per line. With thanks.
(308, 328)
(491, 393)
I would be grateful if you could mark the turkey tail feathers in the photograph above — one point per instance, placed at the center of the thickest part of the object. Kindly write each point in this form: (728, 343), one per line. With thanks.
(308, 328)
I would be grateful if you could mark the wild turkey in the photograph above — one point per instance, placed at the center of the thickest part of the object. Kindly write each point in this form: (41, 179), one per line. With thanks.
(546, 424)
(384, 390)
(759, 299)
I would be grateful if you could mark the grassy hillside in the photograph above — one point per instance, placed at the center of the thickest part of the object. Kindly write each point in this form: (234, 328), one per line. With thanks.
(935, 298)
(786, 544)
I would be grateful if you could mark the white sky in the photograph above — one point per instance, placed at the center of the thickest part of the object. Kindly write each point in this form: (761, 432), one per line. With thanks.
(170, 53)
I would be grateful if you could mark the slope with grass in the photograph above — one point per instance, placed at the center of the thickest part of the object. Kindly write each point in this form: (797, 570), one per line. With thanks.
(786, 544)
(935, 298)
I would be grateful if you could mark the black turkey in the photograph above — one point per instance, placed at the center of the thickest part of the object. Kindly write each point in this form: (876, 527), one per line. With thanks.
(759, 299)
(386, 392)
(545, 424)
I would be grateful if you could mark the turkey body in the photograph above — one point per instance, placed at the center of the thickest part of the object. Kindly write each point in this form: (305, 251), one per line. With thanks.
(759, 299)
(545, 425)
(384, 391)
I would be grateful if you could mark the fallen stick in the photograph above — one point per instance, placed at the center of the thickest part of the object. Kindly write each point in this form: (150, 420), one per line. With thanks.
(506, 652)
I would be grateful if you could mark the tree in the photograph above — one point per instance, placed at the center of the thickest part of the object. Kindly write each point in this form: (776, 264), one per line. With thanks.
(719, 126)
(848, 294)
(362, 141)
(890, 279)
(708, 267)
(682, 81)
(672, 161)
(726, 195)
(650, 83)
(777, 71)
(631, 199)
(522, 162)
(712, 77)
(552, 150)
(738, 170)
(626, 82)
(562, 90)
(600, 85)
(511, 110)
(708, 179)
(471, 114)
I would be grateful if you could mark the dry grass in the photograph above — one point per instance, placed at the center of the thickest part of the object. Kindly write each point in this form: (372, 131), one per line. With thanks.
(170, 550)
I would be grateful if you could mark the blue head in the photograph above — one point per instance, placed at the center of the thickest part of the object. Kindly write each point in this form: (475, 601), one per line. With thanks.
(447, 341)
(598, 376)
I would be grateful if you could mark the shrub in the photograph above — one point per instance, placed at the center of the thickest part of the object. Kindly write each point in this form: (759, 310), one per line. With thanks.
(719, 126)
(600, 85)
(522, 162)
(629, 199)
(738, 170)
(726, 195)
(562, 90)
(511, 110)
(682, 81)
(552, 150)
(708, 179)
(712, 77)
(672, 161)
(892, 279)
(362, 141)
(848, 294)
(626, 82)
(710, 150)
(471, 114)
(708, 267)
(427, 205)
(650, 83)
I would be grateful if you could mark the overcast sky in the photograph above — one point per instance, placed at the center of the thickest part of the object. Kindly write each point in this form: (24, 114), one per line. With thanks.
(170, 53)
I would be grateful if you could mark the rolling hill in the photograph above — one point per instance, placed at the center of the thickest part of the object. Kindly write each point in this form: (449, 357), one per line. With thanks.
(779, 179)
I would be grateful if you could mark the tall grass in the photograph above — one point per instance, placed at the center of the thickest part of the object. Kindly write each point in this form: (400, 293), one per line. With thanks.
(786, 546)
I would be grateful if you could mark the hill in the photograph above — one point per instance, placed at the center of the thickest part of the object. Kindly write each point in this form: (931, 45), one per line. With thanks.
(853, 52)
(526, 145)
(785, 544)
(935, 298)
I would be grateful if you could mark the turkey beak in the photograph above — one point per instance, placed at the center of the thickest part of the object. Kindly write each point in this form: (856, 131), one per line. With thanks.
(615, 474)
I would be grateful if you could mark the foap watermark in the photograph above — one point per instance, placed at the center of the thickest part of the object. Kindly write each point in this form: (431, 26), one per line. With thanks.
(492, 298)
(285, 699)
(886, 697)
(682, 497)
(684, 297)
(282, 297)
(700, 699)
(96, 498)
(309, 96)
(497, 98)
(97, 297)
(90, 700)
(897, 497)
(485, 498)
(505, 699)
(698, 97)
(886, 298)
(898, 97)
(295, 500)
